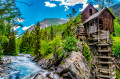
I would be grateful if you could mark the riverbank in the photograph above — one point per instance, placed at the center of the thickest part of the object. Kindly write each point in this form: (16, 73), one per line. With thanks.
(22, 67)
(74, 66)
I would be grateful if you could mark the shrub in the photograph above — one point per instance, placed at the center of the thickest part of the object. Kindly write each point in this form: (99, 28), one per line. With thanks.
(116, 46)
(44, 48)
(117, 74)
(116, 27)
(86, 52)
(69, 44)
(54, 46)
(3, 40)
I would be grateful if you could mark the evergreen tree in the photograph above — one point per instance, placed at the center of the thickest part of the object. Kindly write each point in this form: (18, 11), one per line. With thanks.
(51, 33)
(103, 3)
(12, 44)
(8, 15)
(37, 43)
(71, 16)
(25, 43)
(73, 12)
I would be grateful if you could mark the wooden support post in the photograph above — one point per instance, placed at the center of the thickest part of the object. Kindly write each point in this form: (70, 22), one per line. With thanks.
(98, 30)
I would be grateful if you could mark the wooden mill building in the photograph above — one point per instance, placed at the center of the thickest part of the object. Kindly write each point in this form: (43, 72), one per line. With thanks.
(98, 25)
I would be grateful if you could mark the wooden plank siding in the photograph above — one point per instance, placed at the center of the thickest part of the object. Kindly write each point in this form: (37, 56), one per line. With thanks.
(86, 14)
(107, 19)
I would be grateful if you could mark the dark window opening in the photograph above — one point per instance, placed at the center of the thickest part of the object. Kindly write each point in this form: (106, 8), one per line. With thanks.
(91, 24)
(90, 10)
(101, 24)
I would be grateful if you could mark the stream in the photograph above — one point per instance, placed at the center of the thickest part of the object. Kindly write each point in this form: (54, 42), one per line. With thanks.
(22, 67)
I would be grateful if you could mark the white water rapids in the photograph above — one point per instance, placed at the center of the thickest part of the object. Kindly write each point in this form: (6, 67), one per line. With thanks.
(22, 67)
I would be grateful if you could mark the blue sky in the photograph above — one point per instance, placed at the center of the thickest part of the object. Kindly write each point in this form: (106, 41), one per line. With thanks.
(41, 9)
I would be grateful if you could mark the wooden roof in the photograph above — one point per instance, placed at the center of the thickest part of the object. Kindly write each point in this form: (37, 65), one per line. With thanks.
(98, 14)
(88, 6)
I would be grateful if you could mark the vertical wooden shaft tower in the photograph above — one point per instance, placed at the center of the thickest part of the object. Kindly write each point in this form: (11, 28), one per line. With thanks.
(101, 45)
(105, 65)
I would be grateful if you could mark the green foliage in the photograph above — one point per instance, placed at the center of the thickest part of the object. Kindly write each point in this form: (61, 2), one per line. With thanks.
(71, 15)
(37, 43)
(117, 74)
(78, 19)
(8, 7)
(3, 40)
(48, 43)
(116, 9)
(17, 45)
(8, 15)
(118, 20)
(86, 52)
(51, 33)
(11, 45)
(44, 48)
(69, 44)
(55, 45)
(116, 37)
(104, 3)
(116, 46)
(24, 43)
(117, 28)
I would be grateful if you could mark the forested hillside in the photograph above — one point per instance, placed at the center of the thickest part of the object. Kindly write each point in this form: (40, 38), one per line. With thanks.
(50, 39)
(55, 46)
(50, 22)
(116, 9)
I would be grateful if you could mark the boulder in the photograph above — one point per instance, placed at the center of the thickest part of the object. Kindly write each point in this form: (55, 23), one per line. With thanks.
(45, 63)
(74, 67)
(46, 75)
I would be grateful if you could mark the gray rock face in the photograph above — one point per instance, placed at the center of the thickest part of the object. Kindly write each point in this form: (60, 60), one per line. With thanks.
(50, 21)
(74, 67)
(46, 75)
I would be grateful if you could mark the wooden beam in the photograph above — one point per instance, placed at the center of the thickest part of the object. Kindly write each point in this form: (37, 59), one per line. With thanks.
(98, 30)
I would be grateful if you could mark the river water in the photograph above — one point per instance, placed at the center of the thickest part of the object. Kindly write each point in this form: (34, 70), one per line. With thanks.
(22, 67)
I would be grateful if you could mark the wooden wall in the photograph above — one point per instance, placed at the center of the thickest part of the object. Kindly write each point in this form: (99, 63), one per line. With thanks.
(91, 28)
(107, 19)
(85, 13)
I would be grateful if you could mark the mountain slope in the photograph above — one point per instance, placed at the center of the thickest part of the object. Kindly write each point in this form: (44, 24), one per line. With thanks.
(116, 9)
(50, 21)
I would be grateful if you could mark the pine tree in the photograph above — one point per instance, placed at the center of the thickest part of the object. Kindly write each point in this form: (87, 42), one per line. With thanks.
(12, 44)
(103, 3)
(73, 12)
(8, 15)
(71, 15)
(37, 43)
(25, 43)
(51, 33)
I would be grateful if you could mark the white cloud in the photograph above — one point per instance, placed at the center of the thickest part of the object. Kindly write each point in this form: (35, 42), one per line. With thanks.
(20, 20)
(84, 6)
(63, 18)
(16, 27)
(26, 27)
(48, 4)
(66, 8)
(71, 2)
(96, 6)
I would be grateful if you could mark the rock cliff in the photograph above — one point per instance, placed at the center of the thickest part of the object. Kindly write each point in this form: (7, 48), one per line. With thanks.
(74, 66)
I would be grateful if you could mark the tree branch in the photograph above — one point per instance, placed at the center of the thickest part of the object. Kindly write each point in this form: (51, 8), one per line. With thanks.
(25, 3)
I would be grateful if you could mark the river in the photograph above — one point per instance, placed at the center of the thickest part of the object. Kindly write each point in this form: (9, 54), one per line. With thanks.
(22, 67)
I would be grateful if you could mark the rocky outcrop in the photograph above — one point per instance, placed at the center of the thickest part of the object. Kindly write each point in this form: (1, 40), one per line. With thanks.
(46, 75)
(45, 63)
(74, 67)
